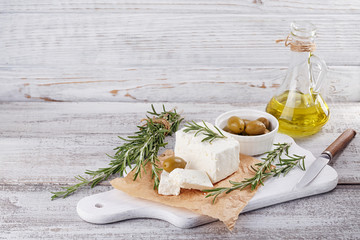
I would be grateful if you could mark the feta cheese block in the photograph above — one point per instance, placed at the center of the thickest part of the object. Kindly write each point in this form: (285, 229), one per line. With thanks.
(191, 179)
(218, 159)
(167, 186)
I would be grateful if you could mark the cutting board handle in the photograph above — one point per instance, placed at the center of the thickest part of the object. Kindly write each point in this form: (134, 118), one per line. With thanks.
(340, 143)
(114, 206)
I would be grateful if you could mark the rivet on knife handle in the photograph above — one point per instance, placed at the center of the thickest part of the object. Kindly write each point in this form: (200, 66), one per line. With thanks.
(340, 143)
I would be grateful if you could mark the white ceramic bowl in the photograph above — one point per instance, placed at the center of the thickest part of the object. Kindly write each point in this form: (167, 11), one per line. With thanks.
(251, 145)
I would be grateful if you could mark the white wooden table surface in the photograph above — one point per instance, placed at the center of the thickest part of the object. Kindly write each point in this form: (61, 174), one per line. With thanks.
(76, 74)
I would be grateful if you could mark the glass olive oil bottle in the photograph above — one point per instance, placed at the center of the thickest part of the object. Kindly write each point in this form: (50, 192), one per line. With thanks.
(305, 117)
(298, 104)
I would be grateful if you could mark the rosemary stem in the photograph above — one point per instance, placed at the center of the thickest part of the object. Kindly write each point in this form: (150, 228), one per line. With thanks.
(137, 151)
(264, 170)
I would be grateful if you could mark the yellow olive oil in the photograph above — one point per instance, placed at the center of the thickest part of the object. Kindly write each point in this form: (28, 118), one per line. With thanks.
(299, 114)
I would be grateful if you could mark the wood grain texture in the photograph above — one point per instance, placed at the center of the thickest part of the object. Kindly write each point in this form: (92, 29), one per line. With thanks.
(162, 50)
(160, 84)
(67, 138)
(43, 145)
(168, 40)
(27, 213)
(189, 53)
(182, 6)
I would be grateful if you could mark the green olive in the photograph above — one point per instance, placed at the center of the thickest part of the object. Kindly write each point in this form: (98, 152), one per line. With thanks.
(235, 124)
(173, 162)
(265, 121)
(226, 129)
(255, 128)
(246, 121)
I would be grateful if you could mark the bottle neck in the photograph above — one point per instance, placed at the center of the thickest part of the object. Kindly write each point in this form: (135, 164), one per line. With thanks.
(297, 58)
(298, 77)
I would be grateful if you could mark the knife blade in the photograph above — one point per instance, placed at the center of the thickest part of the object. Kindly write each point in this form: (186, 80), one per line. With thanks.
(325, 157)
(314, 169)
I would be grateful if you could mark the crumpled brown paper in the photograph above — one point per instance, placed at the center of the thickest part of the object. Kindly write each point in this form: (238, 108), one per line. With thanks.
(226, 208)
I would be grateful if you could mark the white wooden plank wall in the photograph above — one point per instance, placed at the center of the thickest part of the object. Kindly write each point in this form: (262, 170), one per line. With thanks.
(159, 51)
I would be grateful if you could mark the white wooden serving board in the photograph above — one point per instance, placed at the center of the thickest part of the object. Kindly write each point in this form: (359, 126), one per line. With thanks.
(115, 205)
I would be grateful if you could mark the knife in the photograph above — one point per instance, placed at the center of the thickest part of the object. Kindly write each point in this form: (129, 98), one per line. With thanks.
(325, 157)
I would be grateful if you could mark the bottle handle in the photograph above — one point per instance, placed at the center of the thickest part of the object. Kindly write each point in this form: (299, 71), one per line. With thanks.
(316, 62)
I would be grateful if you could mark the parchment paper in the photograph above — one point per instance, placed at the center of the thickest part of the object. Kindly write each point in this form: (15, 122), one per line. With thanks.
(226, 208)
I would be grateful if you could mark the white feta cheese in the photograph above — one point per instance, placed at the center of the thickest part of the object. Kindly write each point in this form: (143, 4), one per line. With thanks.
(191, 179)
(167, 186)
(218, 159)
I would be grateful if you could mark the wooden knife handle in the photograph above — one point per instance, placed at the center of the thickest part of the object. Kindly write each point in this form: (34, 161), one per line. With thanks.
(340, 142)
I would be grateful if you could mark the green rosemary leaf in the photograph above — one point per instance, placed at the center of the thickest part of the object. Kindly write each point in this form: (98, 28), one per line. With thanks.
(263, 170)
(138, 150)
(210, 135)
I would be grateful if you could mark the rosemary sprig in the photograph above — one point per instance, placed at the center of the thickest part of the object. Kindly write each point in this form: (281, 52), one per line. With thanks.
(286, 164)
(210, 134)
(264, 170)
(137, 151)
